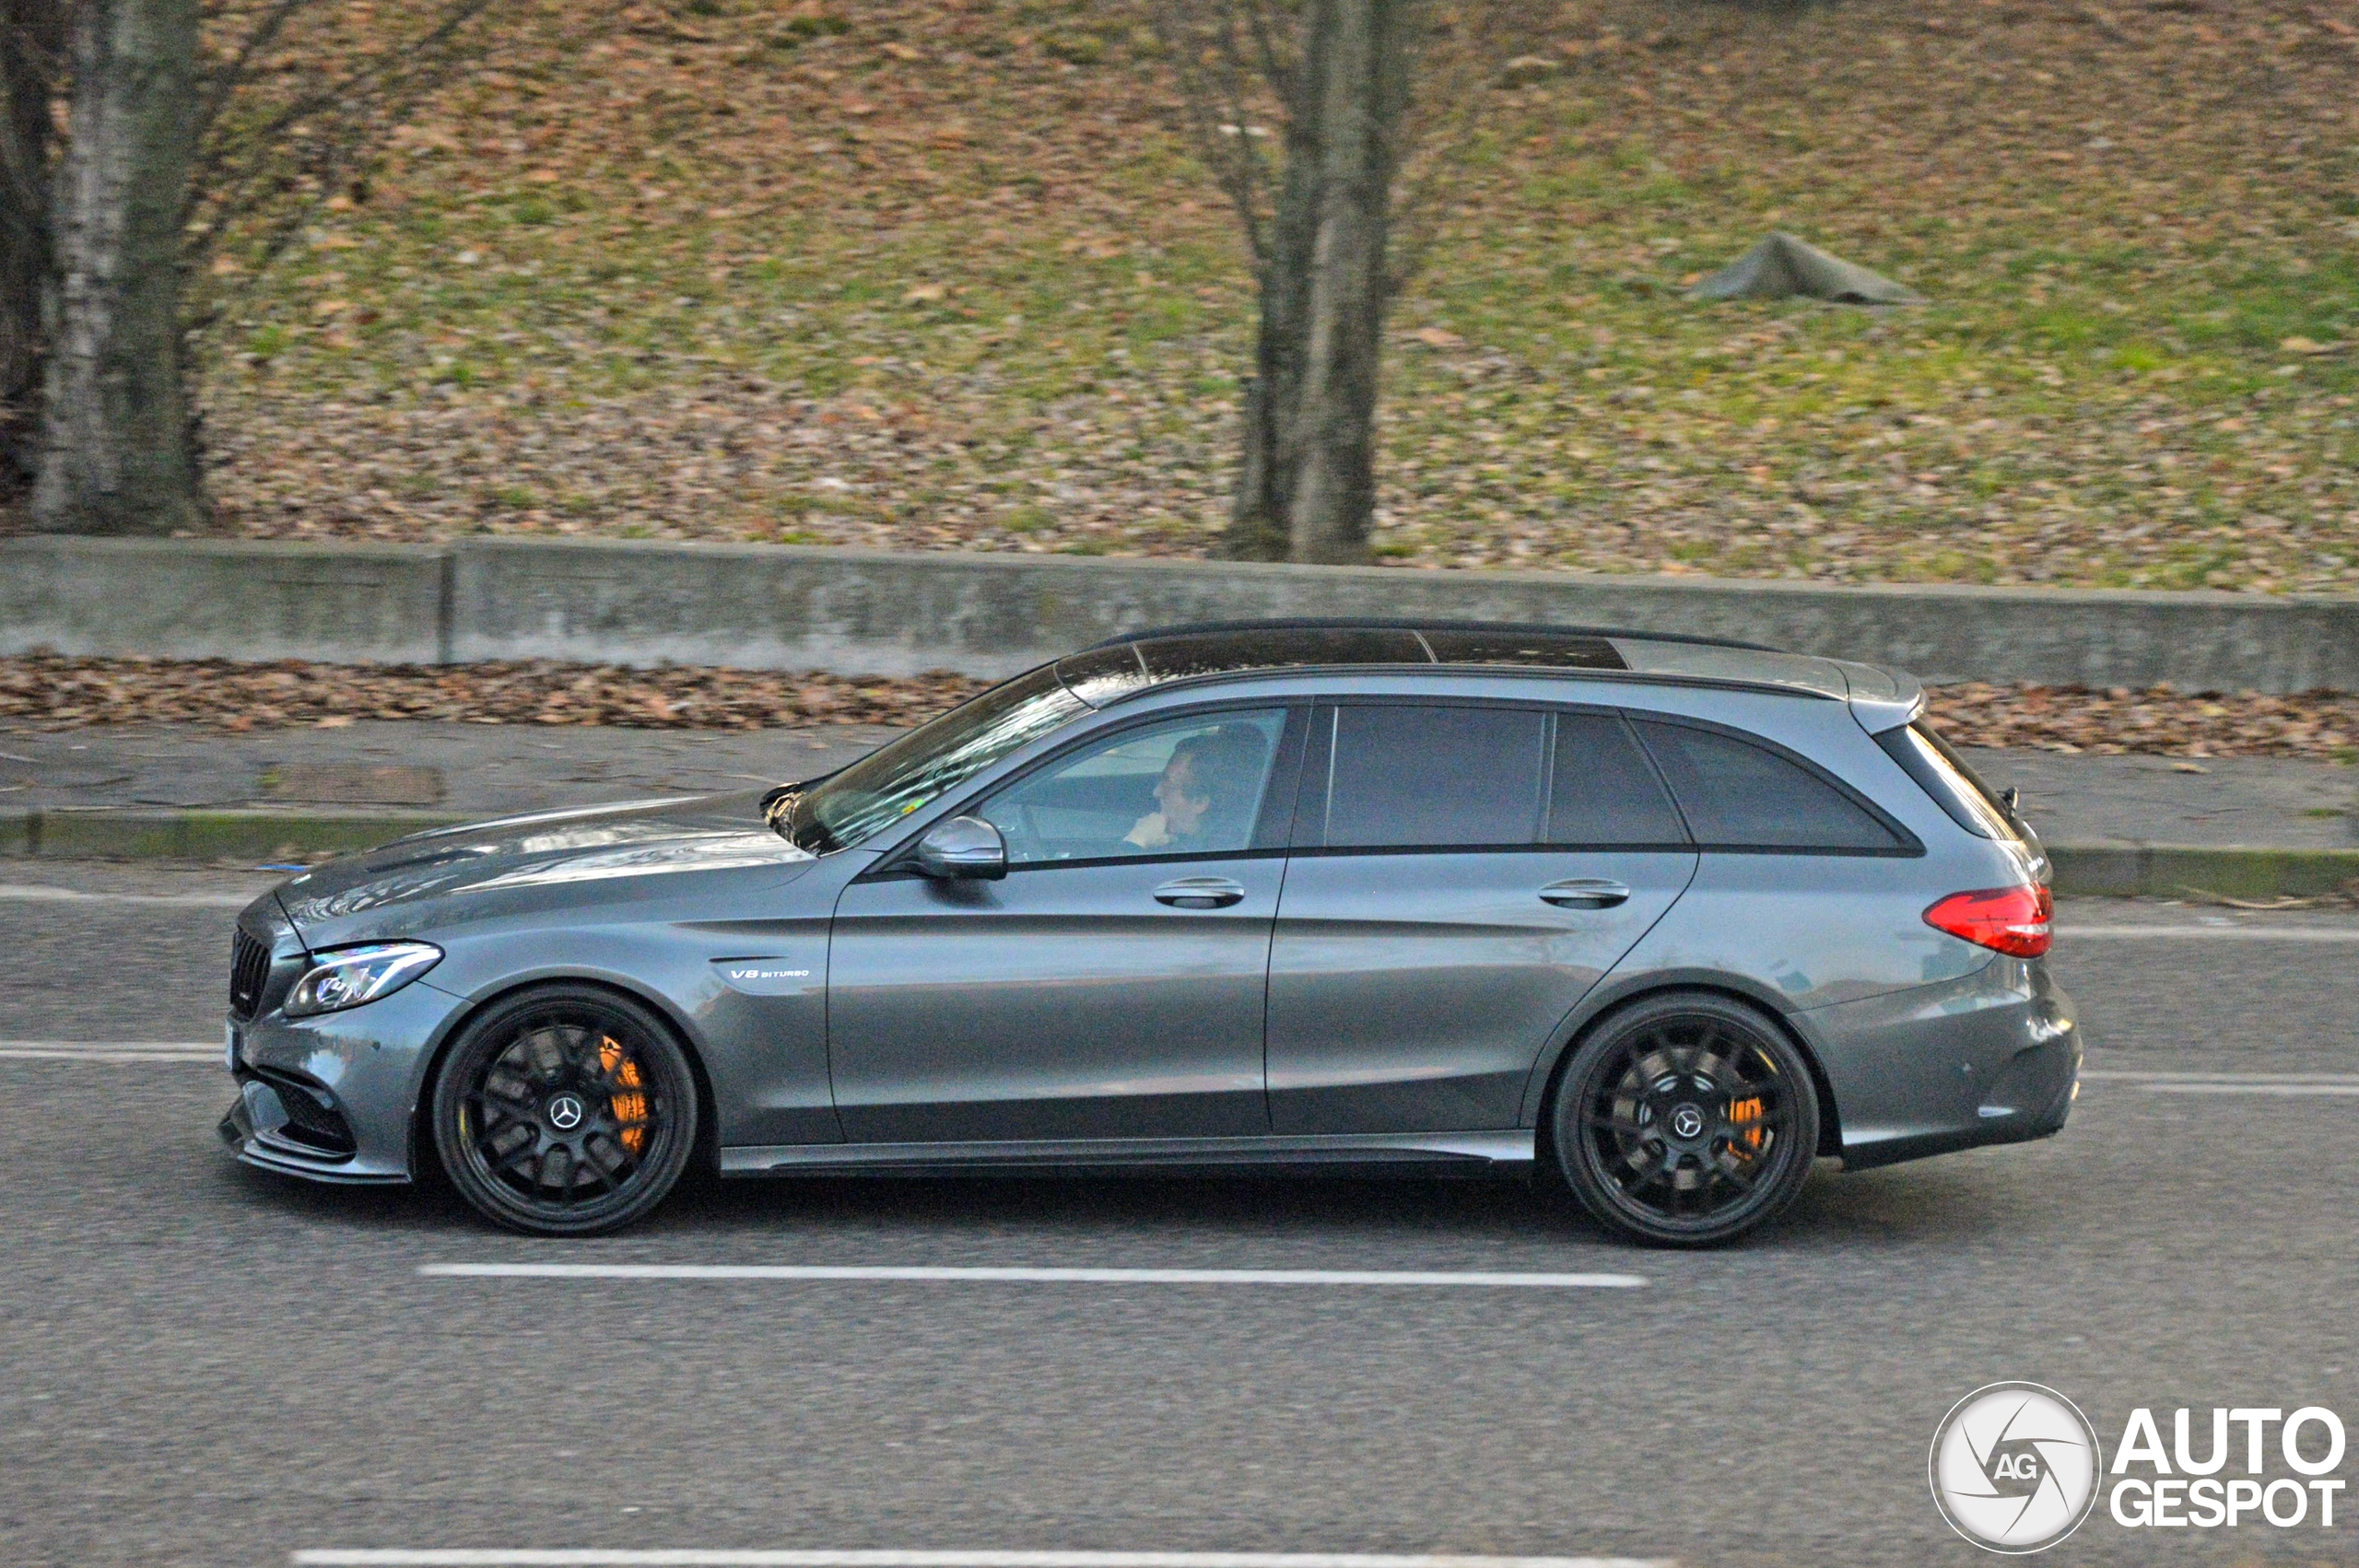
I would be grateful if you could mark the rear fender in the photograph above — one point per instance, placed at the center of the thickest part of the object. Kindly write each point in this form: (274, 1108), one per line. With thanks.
(1616, 992)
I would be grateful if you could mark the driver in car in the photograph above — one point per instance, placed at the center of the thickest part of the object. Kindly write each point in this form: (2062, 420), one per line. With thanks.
(1207, 787)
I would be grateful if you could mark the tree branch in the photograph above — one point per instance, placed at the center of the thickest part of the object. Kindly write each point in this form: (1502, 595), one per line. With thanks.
(231, 75)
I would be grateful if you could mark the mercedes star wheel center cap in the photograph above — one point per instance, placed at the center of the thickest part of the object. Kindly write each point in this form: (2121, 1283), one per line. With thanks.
(565, 1112)
(1687, 1121)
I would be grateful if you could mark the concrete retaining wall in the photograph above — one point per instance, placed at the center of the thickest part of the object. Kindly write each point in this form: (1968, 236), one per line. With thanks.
(223, 598)
(780, 607)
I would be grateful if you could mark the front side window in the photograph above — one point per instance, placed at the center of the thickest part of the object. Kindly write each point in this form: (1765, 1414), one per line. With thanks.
(882, 787)
(1191, 786)
(1737, 795)
(1404, 776)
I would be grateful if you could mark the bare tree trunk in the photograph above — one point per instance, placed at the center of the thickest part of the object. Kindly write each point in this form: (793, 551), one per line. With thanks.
(1334, 467)
(116, 453)
(1272, 446)
(31, 35)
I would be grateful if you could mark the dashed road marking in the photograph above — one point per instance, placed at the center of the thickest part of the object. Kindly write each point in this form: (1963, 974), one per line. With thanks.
(691, 1557)
(1422, 1279)
(2159, 1083)
(42, 893)
(2220, 933)
(113, 1050)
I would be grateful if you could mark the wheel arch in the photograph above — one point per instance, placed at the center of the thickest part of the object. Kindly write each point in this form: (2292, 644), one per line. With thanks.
(1605, 1003)
(704, 1151)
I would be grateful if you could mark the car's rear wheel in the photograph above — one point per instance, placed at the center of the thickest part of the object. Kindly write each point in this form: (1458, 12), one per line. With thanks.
(1687, 1120)
(566, 1110)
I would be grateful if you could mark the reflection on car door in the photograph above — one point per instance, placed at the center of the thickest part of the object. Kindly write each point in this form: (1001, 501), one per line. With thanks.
(1114, 985)
(1462, 875)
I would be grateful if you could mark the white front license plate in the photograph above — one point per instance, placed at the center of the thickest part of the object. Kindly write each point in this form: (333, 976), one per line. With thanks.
(229, 1047)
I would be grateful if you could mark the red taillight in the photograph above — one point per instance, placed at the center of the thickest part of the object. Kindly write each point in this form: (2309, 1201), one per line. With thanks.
(2014, 920)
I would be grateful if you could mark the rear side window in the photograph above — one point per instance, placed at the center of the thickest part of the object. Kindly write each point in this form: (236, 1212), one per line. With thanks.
(1737, 795)
(1412, 775)
(1603, 791)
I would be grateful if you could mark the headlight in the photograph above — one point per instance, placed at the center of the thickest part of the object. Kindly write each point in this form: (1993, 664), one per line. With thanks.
(348, 977)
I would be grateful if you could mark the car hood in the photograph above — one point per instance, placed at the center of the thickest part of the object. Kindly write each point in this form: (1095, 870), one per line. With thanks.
(520, 861)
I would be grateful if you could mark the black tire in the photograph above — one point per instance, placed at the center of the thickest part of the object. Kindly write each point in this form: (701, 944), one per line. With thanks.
(1687, 1119)
(565, 1111)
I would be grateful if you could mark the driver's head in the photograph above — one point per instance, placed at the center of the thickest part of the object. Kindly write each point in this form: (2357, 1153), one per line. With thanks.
(1210, 777)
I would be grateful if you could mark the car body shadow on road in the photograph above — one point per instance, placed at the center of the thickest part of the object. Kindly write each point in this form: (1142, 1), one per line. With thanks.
(1186, 1214)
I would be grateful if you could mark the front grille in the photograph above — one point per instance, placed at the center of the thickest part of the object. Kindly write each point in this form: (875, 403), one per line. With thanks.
(249, 972)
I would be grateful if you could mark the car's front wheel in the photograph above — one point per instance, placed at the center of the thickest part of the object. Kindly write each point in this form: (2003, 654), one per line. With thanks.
(566, 1110)
(1687, 1120)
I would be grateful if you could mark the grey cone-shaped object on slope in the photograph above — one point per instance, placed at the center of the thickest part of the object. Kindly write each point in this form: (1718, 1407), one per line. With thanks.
(1782, 265)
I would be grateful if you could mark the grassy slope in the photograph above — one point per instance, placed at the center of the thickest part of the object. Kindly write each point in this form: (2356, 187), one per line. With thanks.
(944, 279)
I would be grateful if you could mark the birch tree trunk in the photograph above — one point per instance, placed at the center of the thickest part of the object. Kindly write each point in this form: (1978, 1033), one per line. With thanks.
(1333, 460)
(116, 453)
(31, 33)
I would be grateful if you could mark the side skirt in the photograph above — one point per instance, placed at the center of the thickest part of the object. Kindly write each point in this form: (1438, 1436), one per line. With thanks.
(1412, 1153)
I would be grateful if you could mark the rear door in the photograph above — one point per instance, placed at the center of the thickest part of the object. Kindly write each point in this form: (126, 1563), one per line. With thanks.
(1463, 873)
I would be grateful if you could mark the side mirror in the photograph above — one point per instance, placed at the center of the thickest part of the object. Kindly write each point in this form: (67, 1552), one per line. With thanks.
(963, 848)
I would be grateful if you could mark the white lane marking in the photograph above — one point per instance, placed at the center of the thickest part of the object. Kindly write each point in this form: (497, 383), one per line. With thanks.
(113, 1050)
(2225, 933)
(2252, 1088)
(692, 1557)
(2161, 1083)
(1026, 1276)
(36, 893)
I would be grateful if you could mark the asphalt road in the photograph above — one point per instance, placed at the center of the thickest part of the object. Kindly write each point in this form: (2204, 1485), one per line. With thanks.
(207, 1365)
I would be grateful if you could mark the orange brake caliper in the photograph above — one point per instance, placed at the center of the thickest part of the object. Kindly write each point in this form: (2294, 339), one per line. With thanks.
(1745, 1110)
(630, 1107)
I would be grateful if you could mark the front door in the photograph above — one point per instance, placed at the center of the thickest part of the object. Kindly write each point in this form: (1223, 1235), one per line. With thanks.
(1464, 874)
(1112, 985)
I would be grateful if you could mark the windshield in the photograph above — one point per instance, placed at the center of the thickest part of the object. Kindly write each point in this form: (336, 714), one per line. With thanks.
(863, 800)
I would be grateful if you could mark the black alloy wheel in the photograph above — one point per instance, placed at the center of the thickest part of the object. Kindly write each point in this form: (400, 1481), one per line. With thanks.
(1687, 1120)
(567, 1110)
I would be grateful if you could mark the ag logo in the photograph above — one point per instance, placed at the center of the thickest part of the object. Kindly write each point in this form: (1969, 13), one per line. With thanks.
(2015, 1466)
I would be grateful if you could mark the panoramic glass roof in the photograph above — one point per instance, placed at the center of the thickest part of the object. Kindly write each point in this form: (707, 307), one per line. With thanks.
(1099, 674)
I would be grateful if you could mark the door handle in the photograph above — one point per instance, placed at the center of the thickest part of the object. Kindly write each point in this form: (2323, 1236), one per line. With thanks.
(1584, 893)
(1200, 893)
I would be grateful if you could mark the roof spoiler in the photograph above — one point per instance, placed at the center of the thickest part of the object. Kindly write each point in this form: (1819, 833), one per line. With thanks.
(1881, 698)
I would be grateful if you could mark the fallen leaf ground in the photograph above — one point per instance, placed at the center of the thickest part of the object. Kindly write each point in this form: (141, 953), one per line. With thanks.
(937, 274)
(45, 691)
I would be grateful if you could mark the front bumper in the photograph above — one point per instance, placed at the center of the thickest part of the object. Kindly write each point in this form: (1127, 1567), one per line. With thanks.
(335, 1098)
(1994, 1058)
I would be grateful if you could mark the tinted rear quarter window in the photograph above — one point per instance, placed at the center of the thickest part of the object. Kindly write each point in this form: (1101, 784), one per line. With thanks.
(1603, 790)
(1946, 775)
(1738, 795)
(1414, 776)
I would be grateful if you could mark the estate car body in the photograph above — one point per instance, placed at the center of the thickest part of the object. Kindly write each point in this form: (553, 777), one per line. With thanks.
(1666, 917)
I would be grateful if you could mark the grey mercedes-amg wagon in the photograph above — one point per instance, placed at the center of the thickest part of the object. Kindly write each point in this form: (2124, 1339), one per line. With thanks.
(1660, 918)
